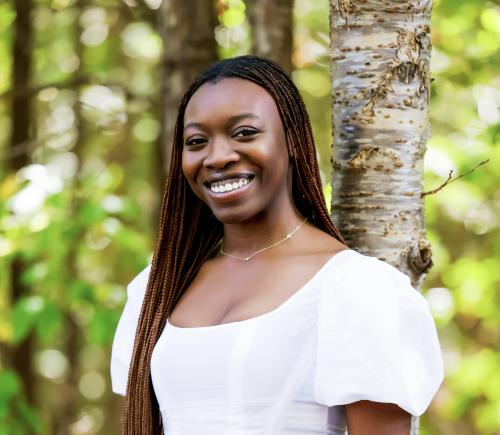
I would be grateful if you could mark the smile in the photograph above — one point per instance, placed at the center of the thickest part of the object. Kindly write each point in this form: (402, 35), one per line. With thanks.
(228, 185)
(229, 189)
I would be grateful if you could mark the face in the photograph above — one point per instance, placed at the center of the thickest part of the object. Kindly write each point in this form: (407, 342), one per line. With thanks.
(234, 153)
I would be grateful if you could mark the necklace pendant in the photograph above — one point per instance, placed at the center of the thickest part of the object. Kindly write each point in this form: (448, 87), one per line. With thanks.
(288, 236)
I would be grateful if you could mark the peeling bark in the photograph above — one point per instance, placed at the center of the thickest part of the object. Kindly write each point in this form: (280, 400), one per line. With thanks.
(187, 28)
(272, 30)
(380, 56)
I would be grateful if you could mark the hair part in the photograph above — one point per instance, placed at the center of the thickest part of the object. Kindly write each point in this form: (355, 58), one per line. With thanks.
(189, 234)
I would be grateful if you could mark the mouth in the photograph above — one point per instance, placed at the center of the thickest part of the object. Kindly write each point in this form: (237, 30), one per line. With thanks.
(229, 189)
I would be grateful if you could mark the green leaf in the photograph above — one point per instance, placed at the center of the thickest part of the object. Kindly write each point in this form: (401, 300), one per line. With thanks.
(102, 326)
(79, 291)
(29, 417)
(10, 385)
(25, 315)
(49, 322)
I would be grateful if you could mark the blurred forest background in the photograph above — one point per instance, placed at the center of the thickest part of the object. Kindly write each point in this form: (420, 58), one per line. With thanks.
(82, 169)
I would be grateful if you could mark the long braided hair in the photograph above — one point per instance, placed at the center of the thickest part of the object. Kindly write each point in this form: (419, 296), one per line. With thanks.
(189, 233)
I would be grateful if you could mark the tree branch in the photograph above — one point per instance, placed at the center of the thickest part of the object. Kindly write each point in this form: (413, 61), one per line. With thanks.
(451, 180)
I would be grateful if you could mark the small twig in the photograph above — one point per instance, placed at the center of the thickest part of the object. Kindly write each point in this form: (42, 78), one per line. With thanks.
(450, 180)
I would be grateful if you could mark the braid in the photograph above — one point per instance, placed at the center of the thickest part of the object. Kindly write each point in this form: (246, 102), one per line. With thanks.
(189, 233)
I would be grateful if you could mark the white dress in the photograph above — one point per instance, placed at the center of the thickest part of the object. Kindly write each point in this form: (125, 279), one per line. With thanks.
(375, 339)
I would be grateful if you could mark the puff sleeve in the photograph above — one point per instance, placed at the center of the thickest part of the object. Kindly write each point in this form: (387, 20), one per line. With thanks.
(377, 339)
(123, 341)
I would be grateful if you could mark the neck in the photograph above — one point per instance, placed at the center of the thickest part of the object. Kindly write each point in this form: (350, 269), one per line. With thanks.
(244, 238)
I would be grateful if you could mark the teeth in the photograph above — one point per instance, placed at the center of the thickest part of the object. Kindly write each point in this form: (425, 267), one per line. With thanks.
(226, 186)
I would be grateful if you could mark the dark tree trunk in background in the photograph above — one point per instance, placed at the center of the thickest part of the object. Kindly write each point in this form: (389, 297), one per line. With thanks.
(380, 66)
(187, 29)
(21, 119)
(21, 71)
(272, 30)
(66, 413)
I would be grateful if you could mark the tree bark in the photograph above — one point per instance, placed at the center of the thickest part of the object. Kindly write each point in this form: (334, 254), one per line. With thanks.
(187, 28)
(380, 53)
(21, 120)
(272, 30)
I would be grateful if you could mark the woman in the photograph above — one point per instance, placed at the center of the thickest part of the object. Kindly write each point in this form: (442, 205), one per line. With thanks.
(254, 315)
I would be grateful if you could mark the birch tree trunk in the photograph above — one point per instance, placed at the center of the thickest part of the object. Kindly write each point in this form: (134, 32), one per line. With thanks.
(187, 28)
(380, 55)
(272, 30)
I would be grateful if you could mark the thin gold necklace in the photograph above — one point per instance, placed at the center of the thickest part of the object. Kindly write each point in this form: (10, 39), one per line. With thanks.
(289, 235)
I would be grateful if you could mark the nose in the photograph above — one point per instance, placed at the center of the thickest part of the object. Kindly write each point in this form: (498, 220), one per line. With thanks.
(220, 153)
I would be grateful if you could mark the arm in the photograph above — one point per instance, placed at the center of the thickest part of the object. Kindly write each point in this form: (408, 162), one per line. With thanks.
(374, 418)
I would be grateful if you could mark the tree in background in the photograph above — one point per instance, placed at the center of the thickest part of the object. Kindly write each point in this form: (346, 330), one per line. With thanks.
(380, 94)
(272, 30)
(97, 68)
(20, 356)
(188, 31)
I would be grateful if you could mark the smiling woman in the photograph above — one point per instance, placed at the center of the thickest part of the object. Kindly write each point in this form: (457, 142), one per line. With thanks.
(240, 140)
(254, 316)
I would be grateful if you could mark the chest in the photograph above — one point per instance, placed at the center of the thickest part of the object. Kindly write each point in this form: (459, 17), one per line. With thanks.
(221, 295)
(228, 378)
(247, 359)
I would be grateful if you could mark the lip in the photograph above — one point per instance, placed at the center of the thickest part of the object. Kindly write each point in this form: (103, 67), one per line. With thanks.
(226, 176)
(229, 196)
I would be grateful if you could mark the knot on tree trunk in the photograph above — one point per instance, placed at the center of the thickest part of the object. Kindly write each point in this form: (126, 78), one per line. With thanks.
(378, 158)
(420, 256)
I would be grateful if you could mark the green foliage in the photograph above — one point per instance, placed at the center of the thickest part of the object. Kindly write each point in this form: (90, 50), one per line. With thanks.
(233, 33)
(16, 416)
(81, 216)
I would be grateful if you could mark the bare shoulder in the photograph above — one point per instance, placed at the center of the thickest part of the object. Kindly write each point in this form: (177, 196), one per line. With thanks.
(317, 242)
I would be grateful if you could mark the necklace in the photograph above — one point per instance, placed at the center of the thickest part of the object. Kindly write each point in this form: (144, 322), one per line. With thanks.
(289, 235)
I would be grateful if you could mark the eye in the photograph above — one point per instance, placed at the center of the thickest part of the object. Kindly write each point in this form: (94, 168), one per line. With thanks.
(194, 140)
(246, 132)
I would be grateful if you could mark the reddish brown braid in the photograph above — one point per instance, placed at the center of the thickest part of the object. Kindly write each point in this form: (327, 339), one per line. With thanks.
(189, 233)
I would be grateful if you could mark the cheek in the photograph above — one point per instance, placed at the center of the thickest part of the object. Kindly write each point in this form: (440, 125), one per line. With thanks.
(276, 159)
(188, 166)
(188, 171)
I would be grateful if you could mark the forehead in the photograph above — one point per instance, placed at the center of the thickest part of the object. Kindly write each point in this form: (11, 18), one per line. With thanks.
(229, 97)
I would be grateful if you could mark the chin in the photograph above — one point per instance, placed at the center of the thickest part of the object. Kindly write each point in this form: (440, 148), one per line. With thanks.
(229, 218)
(232, 216)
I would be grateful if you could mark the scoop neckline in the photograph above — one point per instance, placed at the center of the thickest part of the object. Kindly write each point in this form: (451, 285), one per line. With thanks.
(287, 302)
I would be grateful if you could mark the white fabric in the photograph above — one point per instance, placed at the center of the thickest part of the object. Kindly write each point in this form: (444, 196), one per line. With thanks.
(123, 342)
(376, 340)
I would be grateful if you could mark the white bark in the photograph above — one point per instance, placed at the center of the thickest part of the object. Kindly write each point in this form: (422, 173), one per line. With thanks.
(380, 71)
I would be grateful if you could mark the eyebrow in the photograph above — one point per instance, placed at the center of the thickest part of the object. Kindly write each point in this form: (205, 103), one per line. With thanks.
(232, 120)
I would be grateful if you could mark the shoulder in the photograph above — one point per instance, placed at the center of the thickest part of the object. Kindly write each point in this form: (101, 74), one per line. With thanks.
(368, 264)
(136, 288)
(359, 276)
(123, 341)
(377, 331)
